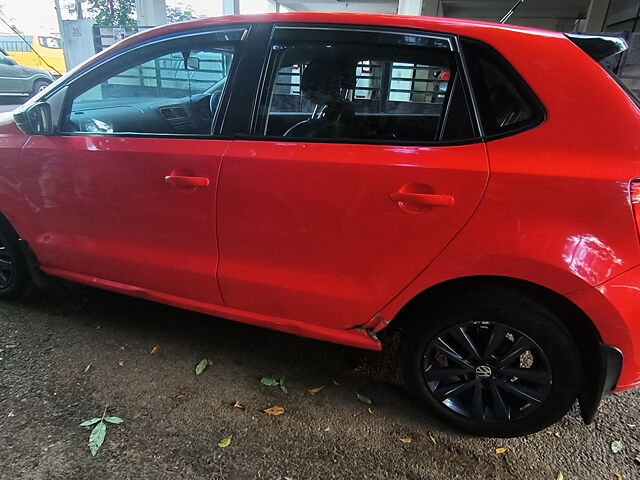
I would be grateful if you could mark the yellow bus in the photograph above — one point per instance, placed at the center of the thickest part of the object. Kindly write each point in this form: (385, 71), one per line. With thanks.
(37, 51)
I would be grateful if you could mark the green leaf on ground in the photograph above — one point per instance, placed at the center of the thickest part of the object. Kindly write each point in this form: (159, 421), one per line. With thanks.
(115, 420)
(88, 423)
(638, 458)
(225, 442)
(616, 446)
(201, 366)
(96, 438)
(284, 389)
(269, 382)
(364, 399)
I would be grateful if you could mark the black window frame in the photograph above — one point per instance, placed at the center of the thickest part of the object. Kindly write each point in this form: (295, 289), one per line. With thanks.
(383, 34)
(78, 83)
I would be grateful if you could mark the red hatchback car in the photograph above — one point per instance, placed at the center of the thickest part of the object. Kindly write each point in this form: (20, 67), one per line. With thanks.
(333, 175)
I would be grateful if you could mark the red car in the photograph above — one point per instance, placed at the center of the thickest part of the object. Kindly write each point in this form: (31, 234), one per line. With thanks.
(333, 176)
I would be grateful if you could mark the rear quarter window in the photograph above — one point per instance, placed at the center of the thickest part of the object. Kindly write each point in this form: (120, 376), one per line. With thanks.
(506, 104)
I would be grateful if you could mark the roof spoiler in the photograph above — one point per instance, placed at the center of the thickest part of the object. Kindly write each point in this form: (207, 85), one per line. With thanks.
(599, 46)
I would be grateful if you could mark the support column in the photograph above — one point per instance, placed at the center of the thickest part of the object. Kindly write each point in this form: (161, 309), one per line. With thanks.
(427, 8)
(231, 7)
(410, 7)
(596, 15)
(151, 12)
(432, 8)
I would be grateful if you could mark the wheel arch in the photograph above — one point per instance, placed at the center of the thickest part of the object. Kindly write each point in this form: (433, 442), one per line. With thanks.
(581, 327)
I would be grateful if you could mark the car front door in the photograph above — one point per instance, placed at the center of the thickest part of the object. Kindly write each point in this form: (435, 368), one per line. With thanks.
(125, 192)
(362, 163)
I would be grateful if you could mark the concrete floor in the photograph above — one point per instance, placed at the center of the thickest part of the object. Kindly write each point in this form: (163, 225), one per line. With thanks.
(173, 419)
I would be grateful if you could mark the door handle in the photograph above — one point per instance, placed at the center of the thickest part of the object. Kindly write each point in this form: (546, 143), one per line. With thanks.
(186, 181)
(423, 199)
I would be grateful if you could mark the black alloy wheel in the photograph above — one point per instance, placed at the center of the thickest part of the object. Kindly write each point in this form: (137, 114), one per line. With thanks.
(15, 279)
(487, 371)
(7, 267)
(492, 362)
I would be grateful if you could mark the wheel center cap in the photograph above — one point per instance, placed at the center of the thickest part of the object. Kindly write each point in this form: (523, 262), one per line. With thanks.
(483, 371)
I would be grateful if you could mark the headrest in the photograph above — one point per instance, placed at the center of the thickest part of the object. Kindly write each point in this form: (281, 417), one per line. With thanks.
(324, 77)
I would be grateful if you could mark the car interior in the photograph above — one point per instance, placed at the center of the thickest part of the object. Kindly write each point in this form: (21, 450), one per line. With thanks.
(176, 94)
(357, 92)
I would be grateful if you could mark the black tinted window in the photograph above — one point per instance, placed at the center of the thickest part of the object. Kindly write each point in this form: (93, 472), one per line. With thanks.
(506, 103)
(345, 88)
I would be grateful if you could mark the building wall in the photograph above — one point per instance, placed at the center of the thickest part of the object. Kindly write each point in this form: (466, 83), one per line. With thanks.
(623, 16)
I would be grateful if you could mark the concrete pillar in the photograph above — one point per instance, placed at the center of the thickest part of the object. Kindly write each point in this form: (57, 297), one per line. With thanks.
(79, 41)
(432, 8)
(231, 7)
(151, 12)
(410, 7)
(427, 8)
(597, 15)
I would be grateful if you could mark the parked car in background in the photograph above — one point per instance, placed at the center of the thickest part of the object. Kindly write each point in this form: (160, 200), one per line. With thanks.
(16, 80)
(36, 51)
(475, 186)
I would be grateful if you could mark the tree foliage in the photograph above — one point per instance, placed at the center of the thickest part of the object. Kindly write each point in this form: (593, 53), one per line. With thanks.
(113, 13)
(179, 14)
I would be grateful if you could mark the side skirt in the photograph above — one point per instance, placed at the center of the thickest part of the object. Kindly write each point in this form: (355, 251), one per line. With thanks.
(357, 337)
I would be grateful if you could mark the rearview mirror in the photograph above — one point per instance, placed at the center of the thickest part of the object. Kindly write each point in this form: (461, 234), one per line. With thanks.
(193, 63)
(35, 119)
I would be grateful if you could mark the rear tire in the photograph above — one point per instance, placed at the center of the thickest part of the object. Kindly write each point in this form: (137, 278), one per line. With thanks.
(491, 363)
(15, 279)
(39, 85)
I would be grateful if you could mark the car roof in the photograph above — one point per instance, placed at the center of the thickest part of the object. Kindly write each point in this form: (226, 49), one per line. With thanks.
(433, 24)
(469, 28)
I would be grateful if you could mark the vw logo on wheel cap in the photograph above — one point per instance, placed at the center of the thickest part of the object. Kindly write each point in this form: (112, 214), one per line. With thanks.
(483, 371)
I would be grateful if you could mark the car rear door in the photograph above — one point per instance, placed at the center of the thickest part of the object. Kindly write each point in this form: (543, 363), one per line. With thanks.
(125, 192)
(327, 229)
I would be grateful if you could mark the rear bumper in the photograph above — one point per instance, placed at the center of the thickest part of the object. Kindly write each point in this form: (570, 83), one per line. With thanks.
(614, 308)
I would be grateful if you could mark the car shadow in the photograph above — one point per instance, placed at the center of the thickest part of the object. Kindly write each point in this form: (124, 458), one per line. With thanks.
(252, 351)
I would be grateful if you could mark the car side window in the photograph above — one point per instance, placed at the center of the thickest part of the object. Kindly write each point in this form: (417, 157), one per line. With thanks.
(342, 87)
(505, 101)
(174, 87)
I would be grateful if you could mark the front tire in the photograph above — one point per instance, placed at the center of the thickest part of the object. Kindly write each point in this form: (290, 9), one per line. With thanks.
(14, 273)
(491, 363)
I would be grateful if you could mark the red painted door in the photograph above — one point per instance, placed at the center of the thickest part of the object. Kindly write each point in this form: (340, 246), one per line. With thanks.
(328, 233)
(103, 207)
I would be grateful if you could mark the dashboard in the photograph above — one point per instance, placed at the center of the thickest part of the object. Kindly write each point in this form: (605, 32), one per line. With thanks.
(188, 115)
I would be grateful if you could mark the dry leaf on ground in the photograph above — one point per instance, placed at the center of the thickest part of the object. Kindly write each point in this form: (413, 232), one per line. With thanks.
(274, 411)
